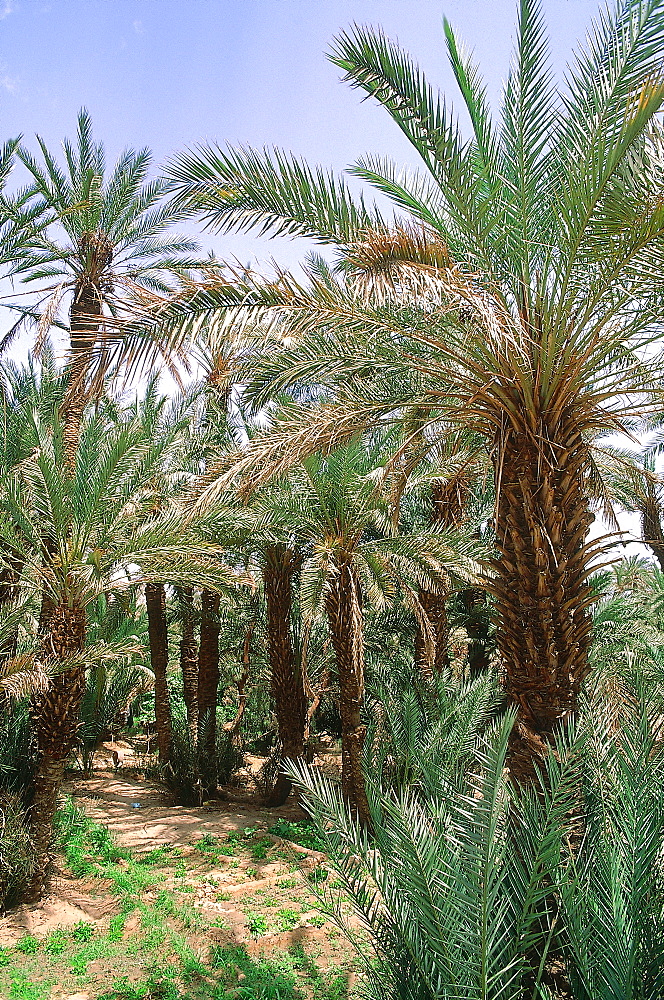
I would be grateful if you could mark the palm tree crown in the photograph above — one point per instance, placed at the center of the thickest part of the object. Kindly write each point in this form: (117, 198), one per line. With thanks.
(520, 297)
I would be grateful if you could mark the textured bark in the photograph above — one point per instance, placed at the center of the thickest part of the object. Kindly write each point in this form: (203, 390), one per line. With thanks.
(541, 584)
(290, 700)
(208, 683)
(448, 498)
(55, 718)
(189, 659)
(343, 607)
(434, 606)
(84, 330)
(651, 529)
(155, 603)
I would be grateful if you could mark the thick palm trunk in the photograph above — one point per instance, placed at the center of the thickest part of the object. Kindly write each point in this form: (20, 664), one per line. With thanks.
(55, 720)
(208, 683)
(155, 603)
(290, 700)
(344, 614)
(189, 659)
(541, 590)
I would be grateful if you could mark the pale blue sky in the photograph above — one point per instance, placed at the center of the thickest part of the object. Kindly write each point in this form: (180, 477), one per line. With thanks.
(170, 73)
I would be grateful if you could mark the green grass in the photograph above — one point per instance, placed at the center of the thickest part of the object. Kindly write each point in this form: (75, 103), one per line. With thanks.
(158, 951)
(304, 834)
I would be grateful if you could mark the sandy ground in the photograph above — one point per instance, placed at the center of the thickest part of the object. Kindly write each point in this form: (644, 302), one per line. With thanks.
(141, 818)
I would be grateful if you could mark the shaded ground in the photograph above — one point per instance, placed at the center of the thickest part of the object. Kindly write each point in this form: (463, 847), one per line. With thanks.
(199, 903)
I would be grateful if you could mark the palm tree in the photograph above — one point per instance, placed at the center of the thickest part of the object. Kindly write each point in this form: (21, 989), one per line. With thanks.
(332, 507)
(516, 295)
(102, 239)
(105, 539)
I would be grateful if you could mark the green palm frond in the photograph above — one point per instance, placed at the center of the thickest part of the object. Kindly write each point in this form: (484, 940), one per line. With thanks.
(270, 191)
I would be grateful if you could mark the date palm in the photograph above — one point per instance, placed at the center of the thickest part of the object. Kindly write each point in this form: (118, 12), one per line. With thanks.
(518, 294)
(336, 517)
(107, 237)
(105, 539)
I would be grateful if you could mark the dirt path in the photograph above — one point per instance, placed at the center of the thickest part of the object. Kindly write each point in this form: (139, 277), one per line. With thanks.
(139, 817)
(212, 877)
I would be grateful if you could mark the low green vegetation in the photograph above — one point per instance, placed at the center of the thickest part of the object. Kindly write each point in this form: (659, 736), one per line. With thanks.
(165, 939)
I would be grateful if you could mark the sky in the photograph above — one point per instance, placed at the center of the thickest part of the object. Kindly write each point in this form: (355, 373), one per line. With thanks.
(169, 74)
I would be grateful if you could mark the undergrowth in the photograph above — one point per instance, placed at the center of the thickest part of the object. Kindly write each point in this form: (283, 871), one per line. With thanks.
(162, 944)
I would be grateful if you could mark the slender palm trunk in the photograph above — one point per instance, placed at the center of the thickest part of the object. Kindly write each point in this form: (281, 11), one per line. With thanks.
(448, 498)
(434, 606)
(55, 719)
(541, 583)
(10, 577)
(155, 602)
(189, 659)
(208, 683)
(474, 603)
(84, 329)
(343, 606)
(290, 700)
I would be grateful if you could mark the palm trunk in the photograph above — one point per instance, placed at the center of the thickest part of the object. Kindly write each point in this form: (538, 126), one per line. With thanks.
(84, 328)
(290, 700)
(651, 529)
(208, 683)
(344, 614)
(10, 577)
(189, 659)
(474, 604)
(434, 606)
(448, 499)
(155, 602)
(540, 587)
(55, 719)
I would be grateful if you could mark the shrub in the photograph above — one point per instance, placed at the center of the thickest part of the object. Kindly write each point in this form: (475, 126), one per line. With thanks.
(182, 773)
(18, 753)
(16, 855)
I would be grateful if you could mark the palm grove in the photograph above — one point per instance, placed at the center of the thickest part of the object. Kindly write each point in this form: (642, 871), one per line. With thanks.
(370, 512)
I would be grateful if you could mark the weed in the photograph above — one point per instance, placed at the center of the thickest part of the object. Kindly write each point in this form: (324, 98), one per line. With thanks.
(207, 841)
(157, 856)
(259, 849)
(252, 872)
(257, 924)
(318, 920)
(303, 834)
(56, 942)
(289, 883)
(116, 927)
(28, 944)
(5, 957)
(22, 989)
(287, 920)
(264, 979)
(318, 874)
(82, 931)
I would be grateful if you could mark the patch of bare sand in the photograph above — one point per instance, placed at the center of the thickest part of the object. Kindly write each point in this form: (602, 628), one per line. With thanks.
(140, 817)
